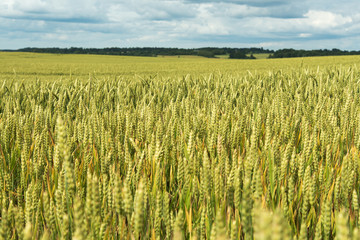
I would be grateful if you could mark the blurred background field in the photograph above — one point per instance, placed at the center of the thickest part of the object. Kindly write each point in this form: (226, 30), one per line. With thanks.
(32, 66)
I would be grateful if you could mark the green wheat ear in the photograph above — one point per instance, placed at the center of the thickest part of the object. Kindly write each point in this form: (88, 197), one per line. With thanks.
(139, 210)
(342, 229)
(28, 234)
(178, 229)
(326, 218)
(158, 214)
(45, 236)
(355, 204)
(246, 211)
(79, 220)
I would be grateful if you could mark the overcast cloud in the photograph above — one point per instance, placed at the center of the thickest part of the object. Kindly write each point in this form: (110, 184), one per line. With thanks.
(180, 23)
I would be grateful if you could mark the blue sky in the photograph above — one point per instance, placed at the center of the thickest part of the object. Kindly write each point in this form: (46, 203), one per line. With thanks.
(270, 24)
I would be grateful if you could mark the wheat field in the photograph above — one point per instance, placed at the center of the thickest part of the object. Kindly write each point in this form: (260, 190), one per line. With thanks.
(96, 147)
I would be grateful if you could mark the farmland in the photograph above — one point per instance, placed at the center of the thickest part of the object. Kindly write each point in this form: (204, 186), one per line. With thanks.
(105, 147)
(49, 67)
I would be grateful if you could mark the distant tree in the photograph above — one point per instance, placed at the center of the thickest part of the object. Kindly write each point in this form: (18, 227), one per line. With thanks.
(210, 52)
(238, 55)
(206, 53)
(289, 53)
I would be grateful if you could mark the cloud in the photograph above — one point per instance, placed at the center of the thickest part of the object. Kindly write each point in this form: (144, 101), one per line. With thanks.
(261, 3)
(326, 20)
(305, 35)
(178, 23)
(54, 36)
(52, 10)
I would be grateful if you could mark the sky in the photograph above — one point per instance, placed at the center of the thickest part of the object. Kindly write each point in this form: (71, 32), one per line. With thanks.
(271, 24)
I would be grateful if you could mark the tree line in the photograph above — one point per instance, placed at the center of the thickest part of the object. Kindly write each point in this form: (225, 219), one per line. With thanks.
(209, 52)
(291, 53)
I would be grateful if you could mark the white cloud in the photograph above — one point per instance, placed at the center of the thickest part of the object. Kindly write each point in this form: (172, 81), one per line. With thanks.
(178, 23)
(119, 13)
(305, 35)
(326, 20)
(56, 36)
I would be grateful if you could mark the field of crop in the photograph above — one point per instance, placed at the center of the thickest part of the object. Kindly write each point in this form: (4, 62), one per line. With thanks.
(50, 67)
(100, 147)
